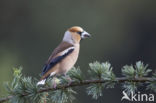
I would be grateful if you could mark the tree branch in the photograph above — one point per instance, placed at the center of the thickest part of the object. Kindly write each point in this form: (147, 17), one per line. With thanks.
(87, 82)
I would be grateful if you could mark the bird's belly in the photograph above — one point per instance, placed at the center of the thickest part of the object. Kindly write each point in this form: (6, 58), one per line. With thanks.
(68, 62)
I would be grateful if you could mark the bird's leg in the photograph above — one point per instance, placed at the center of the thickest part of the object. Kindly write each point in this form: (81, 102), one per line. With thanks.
(54, 82)
(68, 78)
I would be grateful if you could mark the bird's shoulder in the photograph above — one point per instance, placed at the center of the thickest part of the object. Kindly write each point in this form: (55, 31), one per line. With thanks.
(60, 50)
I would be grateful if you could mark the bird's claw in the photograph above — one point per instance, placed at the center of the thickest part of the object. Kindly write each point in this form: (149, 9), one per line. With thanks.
(69, 80)
(54, 85)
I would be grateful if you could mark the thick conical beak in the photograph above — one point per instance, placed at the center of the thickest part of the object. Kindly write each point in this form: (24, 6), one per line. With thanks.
(85, 35)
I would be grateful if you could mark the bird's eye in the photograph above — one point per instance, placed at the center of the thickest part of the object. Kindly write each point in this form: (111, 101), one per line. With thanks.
(79, 32)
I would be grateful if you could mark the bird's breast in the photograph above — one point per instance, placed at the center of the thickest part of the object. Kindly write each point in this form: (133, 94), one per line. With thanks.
(69, 61)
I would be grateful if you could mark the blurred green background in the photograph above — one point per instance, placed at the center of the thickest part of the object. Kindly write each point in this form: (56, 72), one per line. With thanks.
(123, 32)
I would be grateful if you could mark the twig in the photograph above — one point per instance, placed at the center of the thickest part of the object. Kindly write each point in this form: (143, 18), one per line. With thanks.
(87, 82)
(5, 99)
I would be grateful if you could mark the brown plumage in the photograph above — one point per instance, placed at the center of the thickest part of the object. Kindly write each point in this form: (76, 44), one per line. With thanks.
(62, 46)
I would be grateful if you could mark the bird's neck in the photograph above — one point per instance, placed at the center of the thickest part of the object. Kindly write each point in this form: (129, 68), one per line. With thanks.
(68, 38)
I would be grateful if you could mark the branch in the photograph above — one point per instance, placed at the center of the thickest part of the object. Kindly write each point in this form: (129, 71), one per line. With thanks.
(24, 89)
(5, 99)
(87, 82)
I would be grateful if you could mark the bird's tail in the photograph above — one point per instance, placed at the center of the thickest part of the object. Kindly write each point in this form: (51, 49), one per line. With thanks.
(41, 82)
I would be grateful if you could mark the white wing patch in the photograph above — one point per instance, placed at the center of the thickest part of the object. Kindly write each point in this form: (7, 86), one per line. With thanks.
(66, 51)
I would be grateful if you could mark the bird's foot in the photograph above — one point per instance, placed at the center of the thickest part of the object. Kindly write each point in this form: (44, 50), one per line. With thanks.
(69, 80)
(54, 82)
(54, 85)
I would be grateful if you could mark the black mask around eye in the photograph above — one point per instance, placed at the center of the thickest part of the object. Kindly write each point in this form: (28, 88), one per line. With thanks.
(80, 33)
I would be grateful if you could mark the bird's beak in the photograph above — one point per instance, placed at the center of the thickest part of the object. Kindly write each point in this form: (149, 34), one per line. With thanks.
(85, 35)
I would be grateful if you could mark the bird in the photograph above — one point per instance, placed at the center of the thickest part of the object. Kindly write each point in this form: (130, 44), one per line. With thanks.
(65, 55)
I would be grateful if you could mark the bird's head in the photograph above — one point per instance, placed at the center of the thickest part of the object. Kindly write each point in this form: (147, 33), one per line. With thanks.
(75, 34)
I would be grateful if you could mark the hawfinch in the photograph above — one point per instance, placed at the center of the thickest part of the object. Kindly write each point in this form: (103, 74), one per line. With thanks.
(65, 55)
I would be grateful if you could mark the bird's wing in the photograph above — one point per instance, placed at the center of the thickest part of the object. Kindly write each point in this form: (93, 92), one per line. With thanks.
(63, 50)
